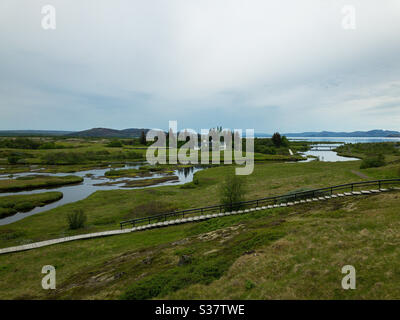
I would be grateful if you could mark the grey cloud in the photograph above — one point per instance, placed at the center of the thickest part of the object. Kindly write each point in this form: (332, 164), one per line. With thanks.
(266, 65)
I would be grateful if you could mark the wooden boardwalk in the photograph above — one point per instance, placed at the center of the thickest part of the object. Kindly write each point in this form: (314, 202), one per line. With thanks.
(179, 221)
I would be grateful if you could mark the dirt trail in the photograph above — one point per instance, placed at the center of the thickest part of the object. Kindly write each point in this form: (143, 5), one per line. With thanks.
(361, 175)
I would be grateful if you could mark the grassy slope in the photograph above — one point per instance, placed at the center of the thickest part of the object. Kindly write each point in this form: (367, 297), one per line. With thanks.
(292, 252)
(306, 263)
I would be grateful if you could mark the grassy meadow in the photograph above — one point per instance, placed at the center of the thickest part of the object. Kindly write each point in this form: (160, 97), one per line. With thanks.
(285, 253)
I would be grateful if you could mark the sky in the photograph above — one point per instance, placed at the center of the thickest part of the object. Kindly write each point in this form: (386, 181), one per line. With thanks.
(276, 65)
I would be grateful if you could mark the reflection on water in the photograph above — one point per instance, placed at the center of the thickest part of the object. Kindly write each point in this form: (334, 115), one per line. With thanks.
(328, 156)
(72, 193)
(186, 171)
(322, 152)
(331, 156)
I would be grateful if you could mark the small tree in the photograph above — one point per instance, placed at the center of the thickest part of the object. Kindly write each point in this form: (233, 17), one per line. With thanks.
(76, 220)
(277, 139)
(143, 138)
(232, 190)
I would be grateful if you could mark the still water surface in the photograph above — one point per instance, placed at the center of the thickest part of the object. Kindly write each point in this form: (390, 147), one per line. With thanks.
(72, 193)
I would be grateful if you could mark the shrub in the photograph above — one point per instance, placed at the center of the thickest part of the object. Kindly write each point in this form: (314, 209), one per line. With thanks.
(232, 190)
(115, 144)
(373, 162)
(13, 159)
(19, 143)
(249, 285)
(76, 220)
(49, 145)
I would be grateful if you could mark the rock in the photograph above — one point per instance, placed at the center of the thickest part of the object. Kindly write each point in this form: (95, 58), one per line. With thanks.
(185, 259)
(147, 260)
(118, 275)
(249, 252)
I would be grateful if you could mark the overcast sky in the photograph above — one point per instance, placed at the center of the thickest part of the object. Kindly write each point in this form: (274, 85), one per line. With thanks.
(285, 65)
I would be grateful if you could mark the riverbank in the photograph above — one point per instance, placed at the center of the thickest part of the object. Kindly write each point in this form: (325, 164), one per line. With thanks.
(36, 182)
(10, 205)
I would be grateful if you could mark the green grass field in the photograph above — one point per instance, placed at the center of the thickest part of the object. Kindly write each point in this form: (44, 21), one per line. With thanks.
(293, 253)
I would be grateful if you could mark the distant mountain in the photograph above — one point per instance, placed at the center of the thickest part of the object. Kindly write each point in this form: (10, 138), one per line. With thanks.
(13, 133)
(371, 133)
(109, 133)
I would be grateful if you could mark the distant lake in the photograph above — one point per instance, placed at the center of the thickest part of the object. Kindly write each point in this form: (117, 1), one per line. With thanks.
(346, 139)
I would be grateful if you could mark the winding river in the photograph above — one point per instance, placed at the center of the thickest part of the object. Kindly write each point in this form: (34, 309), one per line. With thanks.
(76, 192)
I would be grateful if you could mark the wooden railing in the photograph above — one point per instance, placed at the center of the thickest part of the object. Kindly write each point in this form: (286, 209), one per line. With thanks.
(296, 196)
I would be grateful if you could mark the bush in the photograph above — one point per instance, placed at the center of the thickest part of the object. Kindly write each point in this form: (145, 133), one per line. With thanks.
(49, 145)
(76, 220)
(232, 190)
(13, 159)
(115, 144)
(373, 162)
(249, 285)
(19, 143)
